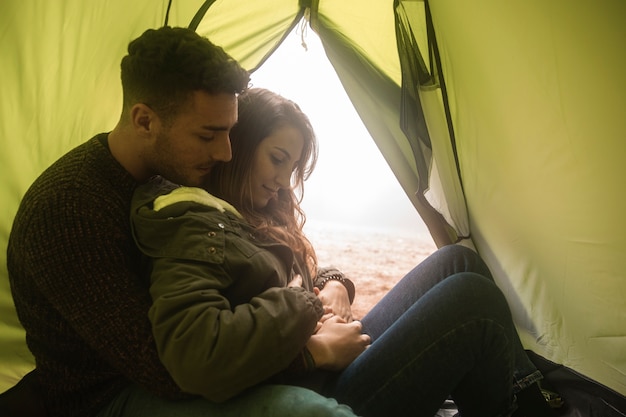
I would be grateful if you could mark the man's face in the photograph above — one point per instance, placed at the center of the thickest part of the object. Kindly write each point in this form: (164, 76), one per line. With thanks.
(197, 138)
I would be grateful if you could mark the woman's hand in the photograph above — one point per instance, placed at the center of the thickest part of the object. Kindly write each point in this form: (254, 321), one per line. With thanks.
(296, 281)
(337, 343)
(335, 296)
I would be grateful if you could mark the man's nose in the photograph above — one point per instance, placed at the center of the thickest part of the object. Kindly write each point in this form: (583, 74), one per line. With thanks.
(223, 151)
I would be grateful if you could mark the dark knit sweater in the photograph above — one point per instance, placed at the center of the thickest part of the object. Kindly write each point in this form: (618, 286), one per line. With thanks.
(74, 273)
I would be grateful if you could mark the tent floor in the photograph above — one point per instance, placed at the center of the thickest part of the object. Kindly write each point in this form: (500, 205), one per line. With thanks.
(581, 396)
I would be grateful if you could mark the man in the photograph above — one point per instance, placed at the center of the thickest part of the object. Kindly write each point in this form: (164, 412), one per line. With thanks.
(75, 272)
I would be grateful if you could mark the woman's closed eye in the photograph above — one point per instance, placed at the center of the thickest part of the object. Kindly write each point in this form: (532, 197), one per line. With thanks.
(277, 160)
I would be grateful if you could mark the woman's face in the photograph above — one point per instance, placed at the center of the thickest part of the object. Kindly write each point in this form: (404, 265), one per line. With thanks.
(274, 161)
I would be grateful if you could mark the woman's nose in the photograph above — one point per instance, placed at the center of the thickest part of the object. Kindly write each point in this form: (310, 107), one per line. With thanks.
(284, 179)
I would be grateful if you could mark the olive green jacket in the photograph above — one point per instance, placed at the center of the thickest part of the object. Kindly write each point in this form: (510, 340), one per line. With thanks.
(223, 317)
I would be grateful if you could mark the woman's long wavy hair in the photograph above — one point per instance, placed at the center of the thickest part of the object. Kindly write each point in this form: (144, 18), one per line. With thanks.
(261, 112)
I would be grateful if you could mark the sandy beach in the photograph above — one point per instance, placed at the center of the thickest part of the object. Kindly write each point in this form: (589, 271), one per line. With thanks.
(373, 259)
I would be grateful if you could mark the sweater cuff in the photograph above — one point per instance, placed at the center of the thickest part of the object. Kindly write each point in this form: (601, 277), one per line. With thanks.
(303, 363)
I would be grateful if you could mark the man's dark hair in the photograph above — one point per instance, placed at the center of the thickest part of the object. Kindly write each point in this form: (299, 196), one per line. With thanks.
(164, 66)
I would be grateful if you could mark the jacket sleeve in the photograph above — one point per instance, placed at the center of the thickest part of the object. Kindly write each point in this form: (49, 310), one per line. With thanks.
(211, 347)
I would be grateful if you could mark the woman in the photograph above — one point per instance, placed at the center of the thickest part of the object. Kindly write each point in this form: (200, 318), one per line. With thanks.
(238, 300)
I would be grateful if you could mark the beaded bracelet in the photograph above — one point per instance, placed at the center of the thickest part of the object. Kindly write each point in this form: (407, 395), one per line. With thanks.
(334, 277)
(325, 277)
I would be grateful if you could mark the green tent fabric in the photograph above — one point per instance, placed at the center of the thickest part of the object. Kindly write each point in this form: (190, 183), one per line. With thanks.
(504, 122)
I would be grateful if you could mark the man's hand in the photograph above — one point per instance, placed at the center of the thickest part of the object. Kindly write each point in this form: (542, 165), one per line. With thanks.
(337, 343)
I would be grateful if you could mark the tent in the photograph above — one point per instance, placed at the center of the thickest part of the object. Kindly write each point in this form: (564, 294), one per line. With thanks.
(503, 121)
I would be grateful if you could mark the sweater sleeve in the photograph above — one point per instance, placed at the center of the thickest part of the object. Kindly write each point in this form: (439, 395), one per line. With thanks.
(74, 263)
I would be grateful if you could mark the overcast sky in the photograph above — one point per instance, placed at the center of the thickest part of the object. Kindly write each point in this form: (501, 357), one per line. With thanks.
(352, 184)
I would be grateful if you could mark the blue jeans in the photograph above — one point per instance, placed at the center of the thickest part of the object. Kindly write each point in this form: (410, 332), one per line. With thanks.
(444, 330)
(260, 401)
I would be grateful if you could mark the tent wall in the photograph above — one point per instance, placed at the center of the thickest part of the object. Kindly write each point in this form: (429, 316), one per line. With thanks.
(536, 103)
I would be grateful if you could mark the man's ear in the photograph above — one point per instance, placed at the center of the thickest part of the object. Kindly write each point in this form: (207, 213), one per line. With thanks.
(143, 118)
